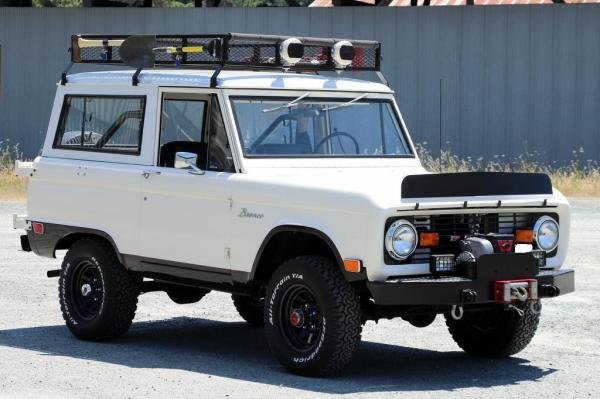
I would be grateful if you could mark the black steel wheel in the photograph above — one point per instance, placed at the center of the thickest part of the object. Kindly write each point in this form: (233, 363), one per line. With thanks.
(98, 296)
(87, 290)
(300, 318)
(313, 316)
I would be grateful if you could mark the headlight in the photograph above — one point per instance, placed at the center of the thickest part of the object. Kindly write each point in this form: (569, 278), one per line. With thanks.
(401, 239)
(545, 233)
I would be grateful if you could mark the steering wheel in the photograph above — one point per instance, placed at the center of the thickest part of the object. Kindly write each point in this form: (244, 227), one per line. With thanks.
(338, 134)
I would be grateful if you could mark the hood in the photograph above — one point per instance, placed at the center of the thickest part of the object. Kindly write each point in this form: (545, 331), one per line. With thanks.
(380, 186)
(403, 187)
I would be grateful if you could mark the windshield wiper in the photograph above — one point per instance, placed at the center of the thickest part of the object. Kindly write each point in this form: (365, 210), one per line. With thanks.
(292, 103)
(346, 103)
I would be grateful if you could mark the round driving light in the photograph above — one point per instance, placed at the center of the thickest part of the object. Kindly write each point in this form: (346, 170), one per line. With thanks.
(342, 54)
(545, 233)
(291, 51)
(401, 239)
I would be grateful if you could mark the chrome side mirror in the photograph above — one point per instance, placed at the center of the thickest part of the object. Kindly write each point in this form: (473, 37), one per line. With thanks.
(187, 160)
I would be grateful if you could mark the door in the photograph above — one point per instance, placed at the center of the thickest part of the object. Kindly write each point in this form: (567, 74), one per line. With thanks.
(186, 209)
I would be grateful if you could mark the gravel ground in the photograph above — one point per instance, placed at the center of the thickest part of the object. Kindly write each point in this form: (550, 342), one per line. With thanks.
(205, 350)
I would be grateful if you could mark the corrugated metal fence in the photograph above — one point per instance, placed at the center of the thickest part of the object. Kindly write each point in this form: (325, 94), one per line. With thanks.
(498, 80)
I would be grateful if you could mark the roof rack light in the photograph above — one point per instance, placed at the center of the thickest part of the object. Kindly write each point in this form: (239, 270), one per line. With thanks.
(291, 51)
(343, 54)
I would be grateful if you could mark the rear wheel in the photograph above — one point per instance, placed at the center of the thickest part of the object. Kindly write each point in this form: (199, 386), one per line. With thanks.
(497, 332)
(98, 296)
(251, 309)
(313, 316)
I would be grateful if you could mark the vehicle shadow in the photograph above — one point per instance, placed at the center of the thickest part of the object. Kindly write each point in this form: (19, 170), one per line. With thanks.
(236, 350)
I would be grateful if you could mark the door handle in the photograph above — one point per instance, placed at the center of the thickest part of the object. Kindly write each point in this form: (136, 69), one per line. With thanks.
(147, 173)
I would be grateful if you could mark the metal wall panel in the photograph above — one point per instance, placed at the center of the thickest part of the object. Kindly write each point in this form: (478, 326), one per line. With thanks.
(497, 81)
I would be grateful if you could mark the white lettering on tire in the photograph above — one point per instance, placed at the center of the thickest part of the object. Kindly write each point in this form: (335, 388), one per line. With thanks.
(276, 289)
(317, 349)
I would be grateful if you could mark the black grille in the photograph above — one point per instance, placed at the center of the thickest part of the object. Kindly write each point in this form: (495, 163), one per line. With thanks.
(453, 228)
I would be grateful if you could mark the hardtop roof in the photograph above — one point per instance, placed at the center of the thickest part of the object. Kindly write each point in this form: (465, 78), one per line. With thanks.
(230, 80)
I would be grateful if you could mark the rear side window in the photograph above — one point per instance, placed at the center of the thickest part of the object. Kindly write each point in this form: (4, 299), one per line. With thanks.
(101, 123)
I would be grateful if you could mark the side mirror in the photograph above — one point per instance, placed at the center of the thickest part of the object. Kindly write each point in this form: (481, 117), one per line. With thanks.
(187, 160)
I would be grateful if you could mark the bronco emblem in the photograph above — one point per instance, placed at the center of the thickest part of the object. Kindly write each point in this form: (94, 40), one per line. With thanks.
(245, 213)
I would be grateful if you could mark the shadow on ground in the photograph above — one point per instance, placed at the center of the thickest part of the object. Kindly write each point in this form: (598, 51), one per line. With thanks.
(236, 350)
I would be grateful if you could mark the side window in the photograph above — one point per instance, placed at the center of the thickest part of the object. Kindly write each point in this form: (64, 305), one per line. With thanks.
(101, 123)
(194, 125)
(182, 130)
(220, 158)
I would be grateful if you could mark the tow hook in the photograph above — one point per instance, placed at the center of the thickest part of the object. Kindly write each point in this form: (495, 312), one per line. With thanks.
(457, 312)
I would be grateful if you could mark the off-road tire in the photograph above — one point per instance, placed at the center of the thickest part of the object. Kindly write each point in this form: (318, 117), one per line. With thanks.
(339, 313)
(186, 295)
(120, 292)
(495, 333)
(251, 309)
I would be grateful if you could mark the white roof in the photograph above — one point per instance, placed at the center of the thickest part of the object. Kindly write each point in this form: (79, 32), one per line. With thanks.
(232, 80)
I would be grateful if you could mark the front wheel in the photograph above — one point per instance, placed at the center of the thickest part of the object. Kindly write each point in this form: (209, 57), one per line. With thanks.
(98, 296)
(312, 317)
(498, 332)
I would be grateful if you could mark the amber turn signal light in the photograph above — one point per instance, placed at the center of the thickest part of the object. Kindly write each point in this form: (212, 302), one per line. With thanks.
(352, 265)
(429, 239)
(524, 236)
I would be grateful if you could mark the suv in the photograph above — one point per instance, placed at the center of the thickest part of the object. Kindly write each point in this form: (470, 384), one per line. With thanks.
(249, 168)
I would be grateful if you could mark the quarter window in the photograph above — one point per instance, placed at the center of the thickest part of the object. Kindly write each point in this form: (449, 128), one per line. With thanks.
(101, 123)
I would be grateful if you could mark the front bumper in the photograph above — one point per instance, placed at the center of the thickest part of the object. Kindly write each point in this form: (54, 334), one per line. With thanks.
(450, 290)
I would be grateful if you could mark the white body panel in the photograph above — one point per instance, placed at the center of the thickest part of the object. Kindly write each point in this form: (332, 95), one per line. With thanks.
(221, 219)
(186, 218)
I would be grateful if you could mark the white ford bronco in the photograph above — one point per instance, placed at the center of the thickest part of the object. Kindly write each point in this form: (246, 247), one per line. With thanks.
(254, 165)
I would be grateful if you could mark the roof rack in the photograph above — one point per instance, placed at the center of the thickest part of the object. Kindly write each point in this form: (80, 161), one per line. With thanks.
(226, 51)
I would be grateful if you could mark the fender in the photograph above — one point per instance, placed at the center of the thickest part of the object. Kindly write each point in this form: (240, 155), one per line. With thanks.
(306, 230)
(46, 244)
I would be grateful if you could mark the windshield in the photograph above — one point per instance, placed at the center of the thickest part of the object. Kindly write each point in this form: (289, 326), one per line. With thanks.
(305, 127)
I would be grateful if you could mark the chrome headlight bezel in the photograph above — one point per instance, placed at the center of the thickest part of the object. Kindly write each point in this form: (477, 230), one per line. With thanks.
(389, 239)
(538, 237)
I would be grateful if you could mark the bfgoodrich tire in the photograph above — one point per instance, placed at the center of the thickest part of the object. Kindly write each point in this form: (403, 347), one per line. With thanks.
(98, 297)
(312, 316)
(497, 332)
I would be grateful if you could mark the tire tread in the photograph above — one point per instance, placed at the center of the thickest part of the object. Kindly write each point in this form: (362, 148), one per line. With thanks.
(512, 335)
(117, 320)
